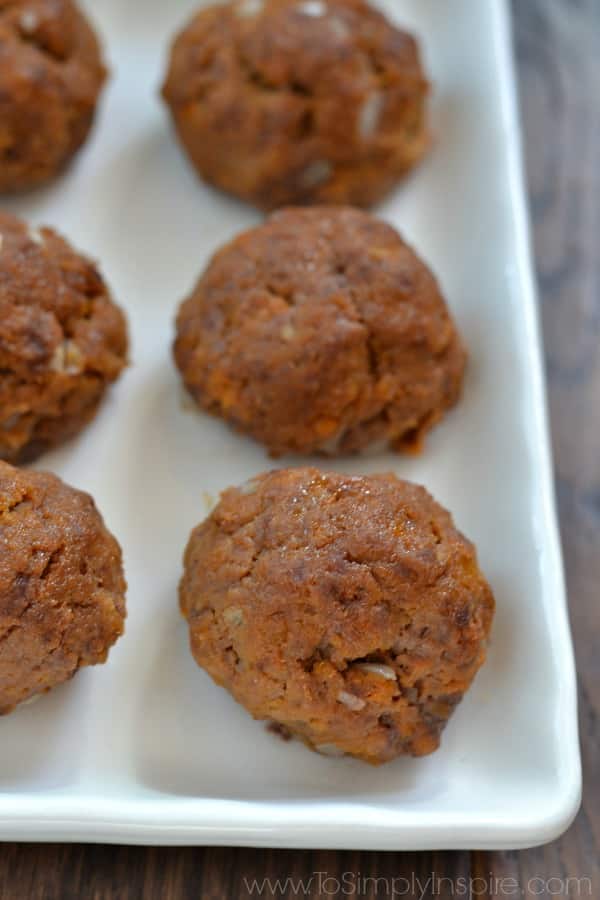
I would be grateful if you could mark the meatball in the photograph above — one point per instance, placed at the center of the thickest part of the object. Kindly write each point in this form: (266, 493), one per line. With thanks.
(51, 74)
(62, 340)
(298, 101)
(320, 331)
(62, 589)
(347, 610)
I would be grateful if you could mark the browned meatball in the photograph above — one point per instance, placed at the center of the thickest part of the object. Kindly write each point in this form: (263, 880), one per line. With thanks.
(62, 340)
(51, 73)
(349, 611)
(62, 589)
(298, 101)
(320, 330)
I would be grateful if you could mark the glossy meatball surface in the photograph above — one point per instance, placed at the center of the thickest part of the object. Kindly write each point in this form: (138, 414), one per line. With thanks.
(62, 587)
(51, 75)
(298, 101)
(63, 340)
(321, 331)
(347, 610)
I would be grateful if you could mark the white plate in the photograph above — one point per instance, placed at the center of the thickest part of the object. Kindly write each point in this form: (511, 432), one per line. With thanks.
(147, 749)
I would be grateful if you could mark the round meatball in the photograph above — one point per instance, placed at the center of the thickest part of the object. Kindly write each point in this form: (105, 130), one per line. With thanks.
(62, 589)
(347, 610)
(51, 74)
(62, 340)
(320, 331)
(298, 101)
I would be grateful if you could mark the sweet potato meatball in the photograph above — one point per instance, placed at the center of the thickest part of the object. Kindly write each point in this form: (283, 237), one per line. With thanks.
(320, 330)
(62, 340)
(51, 74)
(298, 101)
(62, 589)
(347, 610)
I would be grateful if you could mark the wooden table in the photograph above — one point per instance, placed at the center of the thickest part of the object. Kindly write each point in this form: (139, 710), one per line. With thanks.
(558, 50)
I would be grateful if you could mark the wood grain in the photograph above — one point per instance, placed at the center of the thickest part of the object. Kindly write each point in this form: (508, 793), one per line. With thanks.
(558, 51)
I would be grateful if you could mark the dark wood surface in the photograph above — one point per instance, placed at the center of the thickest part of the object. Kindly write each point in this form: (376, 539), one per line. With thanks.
(558, 50)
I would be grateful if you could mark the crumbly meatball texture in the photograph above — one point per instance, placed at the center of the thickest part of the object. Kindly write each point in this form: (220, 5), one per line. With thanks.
(62, 588)
(51, 74)
(298, 101)
(62, 340)
(347, 610)
(320, 331)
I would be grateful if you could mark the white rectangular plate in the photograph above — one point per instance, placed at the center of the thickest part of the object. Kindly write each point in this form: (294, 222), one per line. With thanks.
(146, 749)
